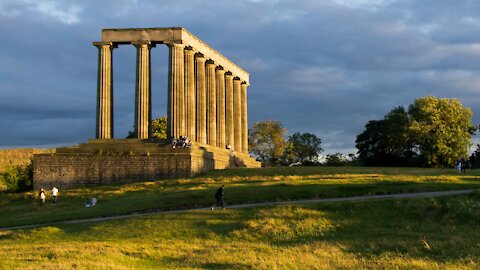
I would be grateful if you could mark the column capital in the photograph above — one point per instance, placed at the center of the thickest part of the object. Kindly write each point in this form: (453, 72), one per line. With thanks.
(143, 43)
(200, 57)
(189, 51)
(220, 70)
(229, 74)
(210, 62)
(100, 44)
(175, 45)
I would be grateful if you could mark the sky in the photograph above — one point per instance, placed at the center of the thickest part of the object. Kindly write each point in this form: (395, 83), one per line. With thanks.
(321, 66)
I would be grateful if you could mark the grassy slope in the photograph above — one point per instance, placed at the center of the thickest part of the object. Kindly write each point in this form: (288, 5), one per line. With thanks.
(19, 156)
(243, 186)
(435, 233)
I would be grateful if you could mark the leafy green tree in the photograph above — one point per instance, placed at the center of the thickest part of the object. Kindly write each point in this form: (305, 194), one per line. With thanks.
(303, 147)
(442, 129)
(387, 142)
(434, 132)
(370, 143)
(159, 129)
(267, 142)
(18, 177)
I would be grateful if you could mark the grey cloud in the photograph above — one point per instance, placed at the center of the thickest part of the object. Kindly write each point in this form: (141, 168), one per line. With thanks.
(317, 66)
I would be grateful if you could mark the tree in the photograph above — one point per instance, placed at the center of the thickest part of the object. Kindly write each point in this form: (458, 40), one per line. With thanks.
(18, 177)
(475, 157)
(442, 129)
(387, 142)
(337, 159)
(434, 132)
(303, 147)
(267, 142)
(159, 129)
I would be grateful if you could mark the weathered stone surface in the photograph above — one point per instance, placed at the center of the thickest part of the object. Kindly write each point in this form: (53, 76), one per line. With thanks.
(200, 87)
(143, 90)
(220, 85)
(104, 128)
(237, 115)
(207, 101)
(173, 35)
(211, 103)
(127, 160)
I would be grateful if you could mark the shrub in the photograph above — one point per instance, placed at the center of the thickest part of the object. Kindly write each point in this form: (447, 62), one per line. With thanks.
(18, 177)
(337, 159)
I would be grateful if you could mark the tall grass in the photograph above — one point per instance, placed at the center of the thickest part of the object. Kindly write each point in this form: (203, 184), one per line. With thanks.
(433, 233)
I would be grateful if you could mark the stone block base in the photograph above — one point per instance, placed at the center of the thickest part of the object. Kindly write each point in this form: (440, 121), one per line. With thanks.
(130, 160)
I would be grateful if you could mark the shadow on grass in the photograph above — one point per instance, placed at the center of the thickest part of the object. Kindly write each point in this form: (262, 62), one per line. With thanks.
(185, 262)
(438, 229)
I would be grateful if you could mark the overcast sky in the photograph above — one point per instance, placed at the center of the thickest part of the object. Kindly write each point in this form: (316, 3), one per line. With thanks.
(320, 66)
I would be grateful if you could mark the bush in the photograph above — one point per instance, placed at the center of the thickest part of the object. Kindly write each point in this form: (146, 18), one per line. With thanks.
(337, 159)
(18, 177)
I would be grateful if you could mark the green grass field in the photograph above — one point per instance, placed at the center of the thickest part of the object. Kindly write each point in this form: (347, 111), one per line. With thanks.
(243, 186)
(433, 233)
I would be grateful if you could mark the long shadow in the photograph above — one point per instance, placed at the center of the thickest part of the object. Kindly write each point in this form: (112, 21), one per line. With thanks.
(438, 229)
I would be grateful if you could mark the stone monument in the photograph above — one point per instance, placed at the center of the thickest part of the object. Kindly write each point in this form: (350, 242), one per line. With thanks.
(207, 102)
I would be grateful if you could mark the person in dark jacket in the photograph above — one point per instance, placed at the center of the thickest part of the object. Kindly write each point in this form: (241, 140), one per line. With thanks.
(219, 198)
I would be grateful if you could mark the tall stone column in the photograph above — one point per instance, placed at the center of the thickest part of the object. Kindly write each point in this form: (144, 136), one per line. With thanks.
(176, 91)
(244, 120)
(211, 103)
(220, 84)
(190, 110)
(143, 90)
(229, 109)
(201, 99)
(104, 125)
(237, 115)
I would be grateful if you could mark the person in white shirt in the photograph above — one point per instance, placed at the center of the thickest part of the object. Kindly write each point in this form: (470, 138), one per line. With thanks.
(42, 196)
(54, 194)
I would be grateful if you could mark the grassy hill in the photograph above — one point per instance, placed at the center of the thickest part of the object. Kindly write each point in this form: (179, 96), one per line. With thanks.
(434, 233)
(19, 156)
(242, 186)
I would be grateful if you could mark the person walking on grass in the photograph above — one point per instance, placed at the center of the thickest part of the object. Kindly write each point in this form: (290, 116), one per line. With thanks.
(219, 198)
(42, 196)
(54, 194)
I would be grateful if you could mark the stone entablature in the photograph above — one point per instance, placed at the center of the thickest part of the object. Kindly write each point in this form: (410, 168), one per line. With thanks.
(172, 35)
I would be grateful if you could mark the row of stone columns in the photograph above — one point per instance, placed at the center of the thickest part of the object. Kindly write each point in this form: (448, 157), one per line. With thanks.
(205, 102)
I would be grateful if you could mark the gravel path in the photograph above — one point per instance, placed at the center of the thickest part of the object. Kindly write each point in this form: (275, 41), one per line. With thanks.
(341, 199)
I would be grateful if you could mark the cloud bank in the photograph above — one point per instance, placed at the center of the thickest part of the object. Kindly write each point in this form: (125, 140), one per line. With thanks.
(317, 66)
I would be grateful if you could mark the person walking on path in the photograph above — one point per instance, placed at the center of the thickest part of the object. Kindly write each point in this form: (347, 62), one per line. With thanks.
(463, 166)
(219, 198)
(54, 194)
(42, 196)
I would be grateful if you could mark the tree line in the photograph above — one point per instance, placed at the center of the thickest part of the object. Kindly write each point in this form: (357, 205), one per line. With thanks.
(432, 132)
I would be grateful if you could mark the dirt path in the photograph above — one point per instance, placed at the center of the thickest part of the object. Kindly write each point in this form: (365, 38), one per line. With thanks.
(341, 199)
